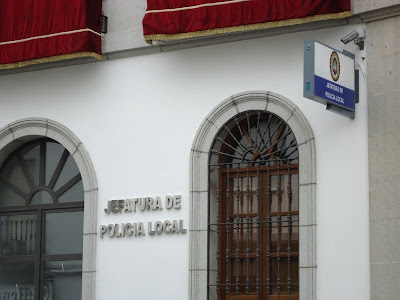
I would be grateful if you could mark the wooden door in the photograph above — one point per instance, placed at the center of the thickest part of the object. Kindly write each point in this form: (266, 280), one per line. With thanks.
(258, 236)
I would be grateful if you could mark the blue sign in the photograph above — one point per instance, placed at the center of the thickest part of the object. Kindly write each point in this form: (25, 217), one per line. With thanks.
(329, 78)
(334, 93)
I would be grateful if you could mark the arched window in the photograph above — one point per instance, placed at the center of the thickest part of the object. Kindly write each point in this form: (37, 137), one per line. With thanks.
(41, 223)
(253, 228)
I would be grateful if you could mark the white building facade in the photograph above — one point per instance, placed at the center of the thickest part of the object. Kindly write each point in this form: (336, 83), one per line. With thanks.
(143, 126)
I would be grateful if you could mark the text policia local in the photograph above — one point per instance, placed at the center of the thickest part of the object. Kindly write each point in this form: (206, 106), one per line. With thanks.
(138, 228)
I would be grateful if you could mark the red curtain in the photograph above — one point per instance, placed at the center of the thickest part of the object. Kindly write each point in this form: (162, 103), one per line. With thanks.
(34, 31)
(175, 19)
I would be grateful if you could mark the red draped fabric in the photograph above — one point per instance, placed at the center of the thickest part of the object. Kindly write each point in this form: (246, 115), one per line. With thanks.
(176, 19)
(35, 31)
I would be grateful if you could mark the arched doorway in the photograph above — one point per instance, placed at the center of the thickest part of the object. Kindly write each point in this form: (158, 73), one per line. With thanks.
(41, 222)
(37, 192)
(254, 211)
(203, 188)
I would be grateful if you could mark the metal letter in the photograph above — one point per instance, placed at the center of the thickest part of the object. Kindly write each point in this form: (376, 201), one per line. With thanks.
(134, 203)
(157, 203)
(167, 226)
(123, 229)
(121, 205)
(182, 230)
(150, 203)
(103, 230)
(150, 229)
(128, 229)
(111, 230)
(158, 227)
(140, 229)
(114, 206)
(128, 206)
(117, 232)
(169, 201)
(142, 203)
(135, 229)
(175, 227)
(108, 209)
(177, 201)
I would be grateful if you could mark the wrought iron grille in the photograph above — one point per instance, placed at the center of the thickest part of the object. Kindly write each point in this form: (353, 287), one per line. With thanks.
(254, 212)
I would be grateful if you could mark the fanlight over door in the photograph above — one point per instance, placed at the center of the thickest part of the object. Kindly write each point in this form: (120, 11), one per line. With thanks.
(254, 210)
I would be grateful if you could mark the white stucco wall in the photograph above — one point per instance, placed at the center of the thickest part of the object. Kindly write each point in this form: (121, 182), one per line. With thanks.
(138, 117)
(125, 30)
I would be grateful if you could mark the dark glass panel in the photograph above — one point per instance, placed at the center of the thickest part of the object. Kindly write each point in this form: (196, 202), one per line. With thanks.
(62, 280)
(17, 235)
(284, 193)
(9, 198)
(69, 170)
(74, 194)
(54, 152)
(41, 197)
(31, 154)
(64, 233)
(241, 271)
(241, 207)
(283, 269)
(17, 280)
(274, 193)
(12, 171)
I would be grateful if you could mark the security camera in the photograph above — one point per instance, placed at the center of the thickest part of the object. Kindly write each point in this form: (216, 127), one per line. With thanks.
(350, 37)
(358, 36)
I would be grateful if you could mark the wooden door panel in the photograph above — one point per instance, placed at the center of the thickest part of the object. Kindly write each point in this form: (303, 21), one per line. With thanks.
(271, 297)
(284, 297)
(246, 197)
(243, 297)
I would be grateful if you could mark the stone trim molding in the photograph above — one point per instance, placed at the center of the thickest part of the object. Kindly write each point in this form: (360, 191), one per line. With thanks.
(22, 131)
(199, 156)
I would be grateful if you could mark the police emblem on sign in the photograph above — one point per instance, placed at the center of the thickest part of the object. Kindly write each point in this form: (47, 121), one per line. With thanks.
(335, 66)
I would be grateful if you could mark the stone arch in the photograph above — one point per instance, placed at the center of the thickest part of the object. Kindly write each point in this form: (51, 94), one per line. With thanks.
(19, 132)
(199, 185)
